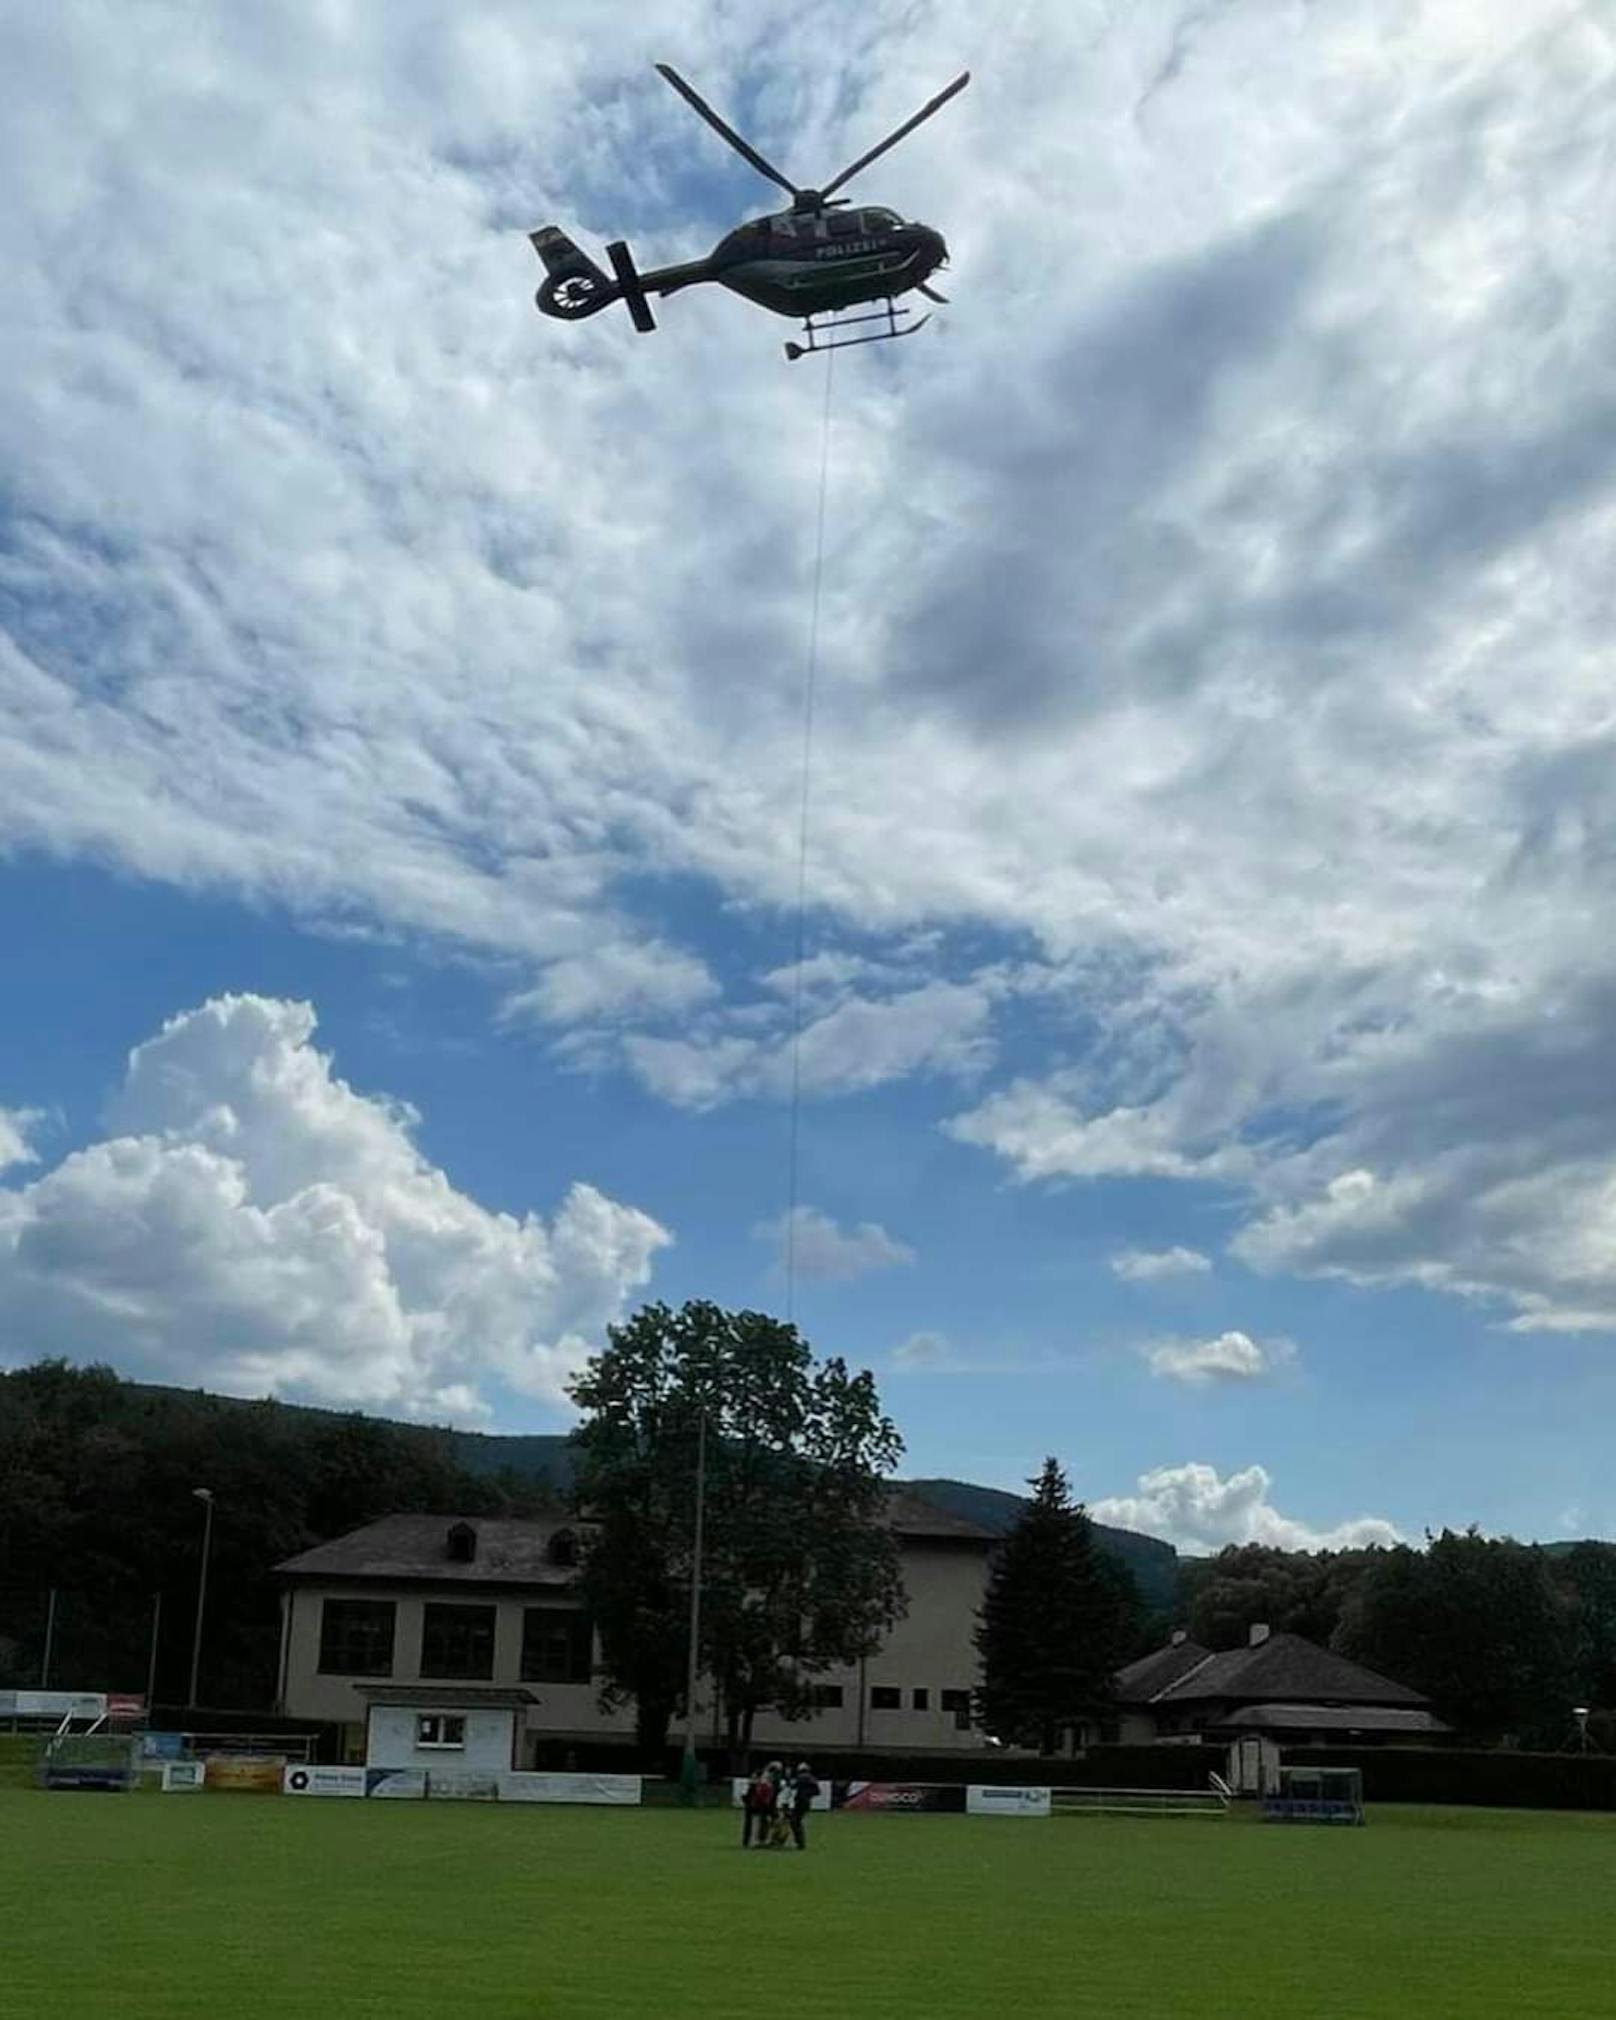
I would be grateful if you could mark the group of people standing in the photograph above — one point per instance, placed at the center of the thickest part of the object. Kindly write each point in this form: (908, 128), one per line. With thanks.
(775, 1804)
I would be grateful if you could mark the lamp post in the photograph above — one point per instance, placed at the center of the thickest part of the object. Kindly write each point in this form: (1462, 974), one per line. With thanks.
(1580, 1713)
(687, 1766)
(205, 1496)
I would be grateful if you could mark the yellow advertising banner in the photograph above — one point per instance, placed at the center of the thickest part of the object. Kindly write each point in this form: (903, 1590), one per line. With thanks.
(245, 1774)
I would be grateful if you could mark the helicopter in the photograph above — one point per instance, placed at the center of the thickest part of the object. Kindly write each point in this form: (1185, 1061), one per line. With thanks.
(815, 260)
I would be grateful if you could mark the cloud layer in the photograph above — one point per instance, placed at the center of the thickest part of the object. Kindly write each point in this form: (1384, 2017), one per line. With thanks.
(255, 1225)
(1232, 1357)
(1214, 650)
(1144, 1266)
(812, 1244)
(1193, 1508)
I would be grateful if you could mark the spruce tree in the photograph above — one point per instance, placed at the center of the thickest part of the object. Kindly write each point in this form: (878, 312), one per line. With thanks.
(1056, 1621)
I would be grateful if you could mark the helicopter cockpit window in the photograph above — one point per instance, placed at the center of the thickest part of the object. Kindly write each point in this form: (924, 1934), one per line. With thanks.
(881, 220)
(846, 224)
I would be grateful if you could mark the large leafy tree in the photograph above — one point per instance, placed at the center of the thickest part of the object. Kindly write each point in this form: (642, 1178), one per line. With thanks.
(1291, 1591)
(800, 1570)
(1057, 1620)
(1480, 1625)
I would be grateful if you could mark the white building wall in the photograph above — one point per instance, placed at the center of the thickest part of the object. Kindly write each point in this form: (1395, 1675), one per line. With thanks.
(488, 1747)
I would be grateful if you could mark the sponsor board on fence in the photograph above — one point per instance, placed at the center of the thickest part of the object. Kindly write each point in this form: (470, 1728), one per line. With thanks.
(244, 1774)
(912, 1798)
(52, 1704)
(323, 1781)
(456, 1786)
(1007, 1802)
(398, 1784)
(184, 1776)
(573, 1788)
(162, 1745)
(739, 1784)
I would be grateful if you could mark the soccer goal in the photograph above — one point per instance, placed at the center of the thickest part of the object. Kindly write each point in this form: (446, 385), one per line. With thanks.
(96, 1760)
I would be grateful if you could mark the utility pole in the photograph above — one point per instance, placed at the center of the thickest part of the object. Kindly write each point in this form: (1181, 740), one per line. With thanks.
(151, 1666)
(687, 1767)
(50, 1640)
(205, 1496)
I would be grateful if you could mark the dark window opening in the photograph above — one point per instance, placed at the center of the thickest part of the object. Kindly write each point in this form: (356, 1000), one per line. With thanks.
(440, 1728)
(922, 1700)
(356, 1637)
(883, 1697)
(563, 1549)
(959, 1703)
(557, 1645)
(826, 1697)
(457, 1641)
(462, 1544)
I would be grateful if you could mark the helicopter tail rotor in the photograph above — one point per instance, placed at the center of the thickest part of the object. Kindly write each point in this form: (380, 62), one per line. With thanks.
(575, 287)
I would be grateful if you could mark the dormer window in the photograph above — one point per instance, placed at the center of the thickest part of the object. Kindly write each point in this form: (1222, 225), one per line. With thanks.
(462, 1544)
(563, 1550)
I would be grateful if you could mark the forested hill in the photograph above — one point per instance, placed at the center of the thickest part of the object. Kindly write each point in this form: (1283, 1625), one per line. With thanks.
(97, 1504)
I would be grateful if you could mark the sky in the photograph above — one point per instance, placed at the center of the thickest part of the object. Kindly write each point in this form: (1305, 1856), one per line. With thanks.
(1205, 1032)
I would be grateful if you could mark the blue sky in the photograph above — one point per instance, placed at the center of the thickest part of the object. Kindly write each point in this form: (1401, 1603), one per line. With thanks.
(1208, 1016)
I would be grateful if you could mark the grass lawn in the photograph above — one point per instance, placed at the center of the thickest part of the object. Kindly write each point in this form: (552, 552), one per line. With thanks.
(238, 1907)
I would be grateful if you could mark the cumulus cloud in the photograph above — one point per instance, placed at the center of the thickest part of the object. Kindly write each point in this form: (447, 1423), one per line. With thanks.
(16, 1134)
(923, 1353)
(1190, 1506)
(1216, 608)
(1143, 1265)
(1232, 1357)
(822, 1250)
(256, 1224)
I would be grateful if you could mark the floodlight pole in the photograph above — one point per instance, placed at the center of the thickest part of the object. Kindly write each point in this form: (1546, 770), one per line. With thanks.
(205, 1496)
(50, 1640)
(151, 1666)
(687, 1768)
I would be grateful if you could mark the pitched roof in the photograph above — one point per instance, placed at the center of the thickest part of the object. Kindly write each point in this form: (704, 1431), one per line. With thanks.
(1140, 1681)
(510, 1552)
(1286, 1669)
(417, 1546)
(1334, 1718)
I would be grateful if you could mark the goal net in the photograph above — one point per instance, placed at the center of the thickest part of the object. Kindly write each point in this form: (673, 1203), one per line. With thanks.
(99, 1760)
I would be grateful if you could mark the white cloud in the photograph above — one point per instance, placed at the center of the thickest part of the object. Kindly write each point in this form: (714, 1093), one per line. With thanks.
(1231, 1357)
(822, 1250)
(1217, 605)
(1190, 1506)
(256, 1225)
(922, 1352)
(1144, 1266)
(16, 1136)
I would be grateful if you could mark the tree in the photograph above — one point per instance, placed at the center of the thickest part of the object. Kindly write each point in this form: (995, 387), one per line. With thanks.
(1055, 1624)
(799, 1570)
(1477, 1623)
(1291, 1591)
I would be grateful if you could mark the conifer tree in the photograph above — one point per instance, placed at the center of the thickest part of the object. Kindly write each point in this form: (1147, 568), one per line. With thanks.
(1056, 1622)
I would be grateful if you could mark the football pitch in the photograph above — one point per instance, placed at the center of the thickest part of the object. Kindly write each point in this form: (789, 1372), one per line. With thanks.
(242, 1908)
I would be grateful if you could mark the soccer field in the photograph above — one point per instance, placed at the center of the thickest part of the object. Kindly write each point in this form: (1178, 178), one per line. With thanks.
(241, 1907)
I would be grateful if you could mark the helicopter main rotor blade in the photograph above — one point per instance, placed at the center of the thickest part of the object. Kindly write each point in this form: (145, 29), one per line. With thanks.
(744, 148)
(907, 128)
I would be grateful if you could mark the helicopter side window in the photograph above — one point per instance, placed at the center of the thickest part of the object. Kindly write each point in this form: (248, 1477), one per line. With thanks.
(881, 220)
(846, 224)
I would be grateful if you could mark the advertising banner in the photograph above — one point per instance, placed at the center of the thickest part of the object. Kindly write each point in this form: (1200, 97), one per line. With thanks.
(738, 1787)
(574, 1788)
(124, 1707)
(52, 1704)
(397, 1784)
(162, 1745)
(1006, 1802)
(183, 1775)
(911, 1797)
(244, 1774)
(323, 1781)
(455, 1785)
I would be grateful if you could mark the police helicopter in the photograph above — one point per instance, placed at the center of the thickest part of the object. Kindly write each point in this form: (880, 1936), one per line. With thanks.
(816, 260)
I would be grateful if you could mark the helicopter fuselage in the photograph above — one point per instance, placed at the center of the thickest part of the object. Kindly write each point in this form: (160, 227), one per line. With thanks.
(800, 263)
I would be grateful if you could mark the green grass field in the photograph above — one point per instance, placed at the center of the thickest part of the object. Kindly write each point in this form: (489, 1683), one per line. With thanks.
(242, 1907)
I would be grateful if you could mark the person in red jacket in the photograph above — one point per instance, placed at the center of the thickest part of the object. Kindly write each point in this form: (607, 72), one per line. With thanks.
(758, 1804)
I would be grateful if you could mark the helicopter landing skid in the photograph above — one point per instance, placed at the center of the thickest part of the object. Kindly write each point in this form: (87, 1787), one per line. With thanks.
(822, 335)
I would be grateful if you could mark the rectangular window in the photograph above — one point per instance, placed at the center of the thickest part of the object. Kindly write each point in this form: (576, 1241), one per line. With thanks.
(440, 1728)
(958, 1702)
(883, 1697)
(826, 1697)
(457, 1641)
(922, 1700)
(557, 1645)
(356, 1637)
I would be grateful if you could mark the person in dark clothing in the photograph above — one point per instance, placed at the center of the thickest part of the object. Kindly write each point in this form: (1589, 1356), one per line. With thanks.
(757, 1809)
(803, 1790)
